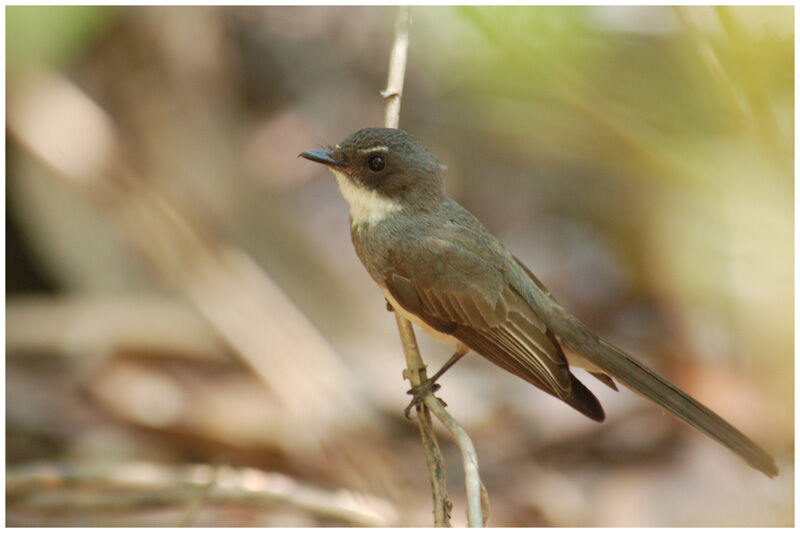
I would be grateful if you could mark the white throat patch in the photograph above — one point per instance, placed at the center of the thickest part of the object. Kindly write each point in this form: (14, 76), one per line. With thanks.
(366, 207)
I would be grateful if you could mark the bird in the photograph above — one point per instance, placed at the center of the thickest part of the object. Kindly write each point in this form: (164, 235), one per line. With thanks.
(438, 266)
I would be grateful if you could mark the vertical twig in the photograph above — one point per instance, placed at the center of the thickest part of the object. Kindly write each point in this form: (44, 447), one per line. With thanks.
(477, 499)
(397, 67)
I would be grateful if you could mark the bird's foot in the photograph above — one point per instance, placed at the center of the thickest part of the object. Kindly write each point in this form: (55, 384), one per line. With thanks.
(429, 386)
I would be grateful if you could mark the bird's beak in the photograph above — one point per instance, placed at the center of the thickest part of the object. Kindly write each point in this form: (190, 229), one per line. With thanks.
(322, 156)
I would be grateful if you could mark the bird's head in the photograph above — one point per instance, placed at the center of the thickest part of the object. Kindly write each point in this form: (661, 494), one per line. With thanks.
(382, 170)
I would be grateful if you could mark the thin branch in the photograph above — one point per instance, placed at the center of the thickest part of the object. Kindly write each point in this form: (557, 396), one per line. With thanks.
(415, 373)
(117, 487)
(477, 498)
(397, 67)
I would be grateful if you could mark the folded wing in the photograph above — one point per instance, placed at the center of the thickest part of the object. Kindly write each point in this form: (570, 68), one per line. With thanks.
(492, 319)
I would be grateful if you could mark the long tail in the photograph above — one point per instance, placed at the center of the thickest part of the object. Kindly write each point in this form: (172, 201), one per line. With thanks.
(646, 382)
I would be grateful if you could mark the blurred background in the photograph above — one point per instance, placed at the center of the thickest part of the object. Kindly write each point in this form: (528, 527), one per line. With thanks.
(191, 340)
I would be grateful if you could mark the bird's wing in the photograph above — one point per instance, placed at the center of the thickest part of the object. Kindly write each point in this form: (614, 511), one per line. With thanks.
(490, 317)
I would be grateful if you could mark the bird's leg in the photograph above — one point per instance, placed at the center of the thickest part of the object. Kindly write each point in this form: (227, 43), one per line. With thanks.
(429, 385)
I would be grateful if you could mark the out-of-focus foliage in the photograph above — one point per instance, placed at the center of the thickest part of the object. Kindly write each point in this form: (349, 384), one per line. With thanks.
(52, 34)
(638, 159)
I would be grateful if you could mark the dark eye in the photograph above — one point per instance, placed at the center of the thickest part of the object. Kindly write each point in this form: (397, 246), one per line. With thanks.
(376, 163)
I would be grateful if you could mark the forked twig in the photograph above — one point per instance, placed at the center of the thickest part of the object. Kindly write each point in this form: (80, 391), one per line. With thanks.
(477, 497)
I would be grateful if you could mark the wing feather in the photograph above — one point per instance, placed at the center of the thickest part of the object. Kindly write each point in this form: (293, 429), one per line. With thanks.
(495, 321)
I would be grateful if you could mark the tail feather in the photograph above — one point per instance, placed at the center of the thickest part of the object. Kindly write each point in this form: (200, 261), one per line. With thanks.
(637, 377)
(648, 383)
(584, 401)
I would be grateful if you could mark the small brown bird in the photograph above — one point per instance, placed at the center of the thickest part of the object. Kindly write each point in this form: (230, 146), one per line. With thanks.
(443, 270)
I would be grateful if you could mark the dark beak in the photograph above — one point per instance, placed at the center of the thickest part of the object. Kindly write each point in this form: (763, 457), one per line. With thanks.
(322, 156)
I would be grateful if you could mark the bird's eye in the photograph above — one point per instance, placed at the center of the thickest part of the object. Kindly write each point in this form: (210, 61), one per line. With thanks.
(376, 163)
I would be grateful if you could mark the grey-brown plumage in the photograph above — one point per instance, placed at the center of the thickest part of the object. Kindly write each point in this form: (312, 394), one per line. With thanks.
(446, 272)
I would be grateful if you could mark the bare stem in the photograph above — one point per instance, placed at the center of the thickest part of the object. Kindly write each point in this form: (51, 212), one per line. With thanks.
(477, 499)
(415, 373)
(397, 67)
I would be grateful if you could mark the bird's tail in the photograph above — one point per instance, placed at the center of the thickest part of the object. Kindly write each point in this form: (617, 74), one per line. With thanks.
(648, 383)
